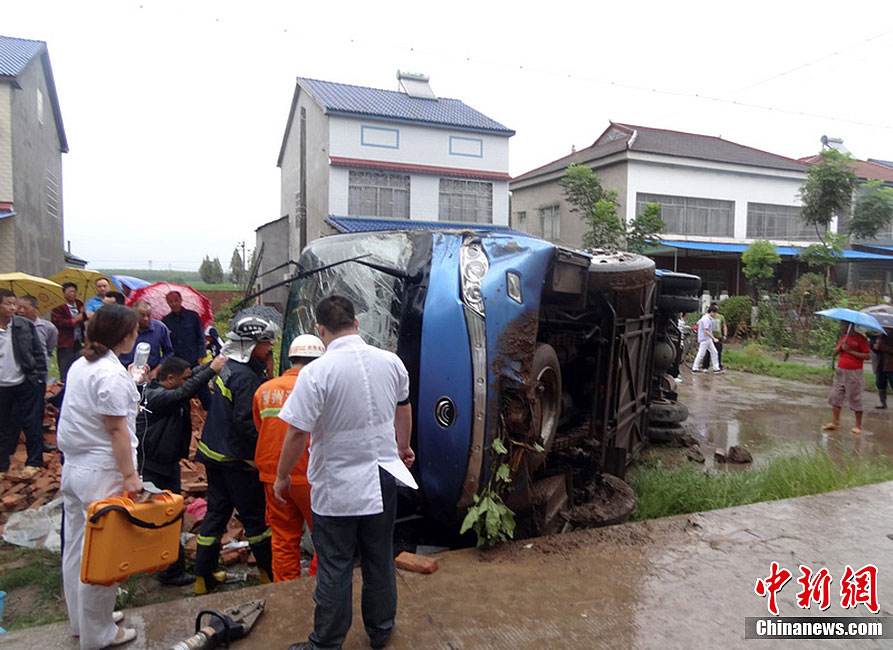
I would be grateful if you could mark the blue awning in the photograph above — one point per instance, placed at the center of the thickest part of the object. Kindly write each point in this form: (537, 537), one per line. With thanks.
(7, 213)
(784, 251)
(377, 224)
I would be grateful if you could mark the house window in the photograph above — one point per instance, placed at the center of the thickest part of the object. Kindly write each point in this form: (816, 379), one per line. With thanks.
(378, 194)
(521, 221)
(462, 200)
(550, 222)
(767, 221)
(39, 106)
(684, 215)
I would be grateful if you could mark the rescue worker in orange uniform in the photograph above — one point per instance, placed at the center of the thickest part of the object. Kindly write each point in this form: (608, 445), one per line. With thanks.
(286, 519)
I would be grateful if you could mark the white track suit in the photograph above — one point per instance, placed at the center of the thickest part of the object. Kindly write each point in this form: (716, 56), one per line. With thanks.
(705, 344)
(89, 606)
(90, 473)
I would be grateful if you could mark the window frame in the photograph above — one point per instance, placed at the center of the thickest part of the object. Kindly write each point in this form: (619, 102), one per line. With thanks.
(389, 200)
(554, 213)
(782, 214)
(687, 211)
(449, 200)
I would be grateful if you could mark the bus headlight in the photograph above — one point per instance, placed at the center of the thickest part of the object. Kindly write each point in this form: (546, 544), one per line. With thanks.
(474, 265)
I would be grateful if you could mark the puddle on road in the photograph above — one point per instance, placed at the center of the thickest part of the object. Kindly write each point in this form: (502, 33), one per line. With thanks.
(773, 417)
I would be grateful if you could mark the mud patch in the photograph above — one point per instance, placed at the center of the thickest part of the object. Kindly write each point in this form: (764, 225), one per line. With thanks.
(609, 501)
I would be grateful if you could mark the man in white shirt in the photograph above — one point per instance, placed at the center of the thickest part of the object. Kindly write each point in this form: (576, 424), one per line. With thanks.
(355, 401)
(706, 341)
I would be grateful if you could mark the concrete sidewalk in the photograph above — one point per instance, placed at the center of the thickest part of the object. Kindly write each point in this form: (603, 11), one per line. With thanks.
(683, 581)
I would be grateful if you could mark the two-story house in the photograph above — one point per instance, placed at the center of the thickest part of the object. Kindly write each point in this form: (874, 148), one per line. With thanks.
(32, 141)
(716, 197)
(351, 152)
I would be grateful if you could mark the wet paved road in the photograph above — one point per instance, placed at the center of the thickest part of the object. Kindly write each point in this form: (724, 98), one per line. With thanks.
(774, 417)
(679, 582)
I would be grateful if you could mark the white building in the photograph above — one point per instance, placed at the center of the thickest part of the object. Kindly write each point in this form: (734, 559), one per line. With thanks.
(716, 198)
(353, 155)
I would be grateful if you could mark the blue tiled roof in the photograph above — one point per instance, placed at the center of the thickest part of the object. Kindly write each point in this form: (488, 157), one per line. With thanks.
(345, 99)
(376, 224)
(15, 53)
(786, 251)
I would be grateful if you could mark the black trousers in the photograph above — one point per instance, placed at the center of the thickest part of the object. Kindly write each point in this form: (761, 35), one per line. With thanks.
(233, 485)
(168, 480)
(65, 357)
(337, 539)
(16, 415)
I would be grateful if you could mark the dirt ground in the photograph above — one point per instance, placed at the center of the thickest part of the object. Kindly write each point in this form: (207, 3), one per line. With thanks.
(770, 417)
(677, 582)
(775, 417)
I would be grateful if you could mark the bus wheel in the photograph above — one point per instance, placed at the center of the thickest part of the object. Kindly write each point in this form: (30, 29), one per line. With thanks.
(545, 381)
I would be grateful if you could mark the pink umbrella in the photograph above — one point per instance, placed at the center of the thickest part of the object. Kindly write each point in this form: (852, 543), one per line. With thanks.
(155, 294)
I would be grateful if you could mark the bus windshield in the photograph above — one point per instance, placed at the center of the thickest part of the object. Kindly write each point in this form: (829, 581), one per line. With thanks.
(376, 295)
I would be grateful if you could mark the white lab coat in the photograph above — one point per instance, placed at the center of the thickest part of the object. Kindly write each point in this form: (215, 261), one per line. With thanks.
(93, 390)
(346, 399)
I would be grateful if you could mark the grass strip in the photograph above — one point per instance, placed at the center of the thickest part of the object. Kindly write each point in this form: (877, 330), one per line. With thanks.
(754, 359)
(663, 491)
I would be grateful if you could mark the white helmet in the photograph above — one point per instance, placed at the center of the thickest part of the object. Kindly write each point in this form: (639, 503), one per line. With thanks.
(306, 345)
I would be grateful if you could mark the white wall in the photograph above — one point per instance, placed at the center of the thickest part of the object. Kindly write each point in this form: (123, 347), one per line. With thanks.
(424, 196)
(653, 174)
(419, 145)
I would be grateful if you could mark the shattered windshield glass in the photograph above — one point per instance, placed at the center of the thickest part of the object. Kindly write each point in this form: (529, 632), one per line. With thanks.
(376, 295)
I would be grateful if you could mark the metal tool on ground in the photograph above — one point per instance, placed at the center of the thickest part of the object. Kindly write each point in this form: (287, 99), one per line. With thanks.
(215, 629)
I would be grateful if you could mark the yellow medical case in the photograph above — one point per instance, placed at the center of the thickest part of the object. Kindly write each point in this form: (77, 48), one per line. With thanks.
(124, 537)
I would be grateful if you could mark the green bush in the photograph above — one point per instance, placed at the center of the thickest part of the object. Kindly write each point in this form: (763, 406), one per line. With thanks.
(773, 326)
(737, 312)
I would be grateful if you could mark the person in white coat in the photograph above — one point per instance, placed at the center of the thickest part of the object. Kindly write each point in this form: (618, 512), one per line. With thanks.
(354, 400)
(706, 341)
(96, 432)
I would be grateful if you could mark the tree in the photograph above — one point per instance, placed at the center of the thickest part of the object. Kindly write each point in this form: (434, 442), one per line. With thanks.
(873, 211)
(643, 229)
(206, 270)
(827, 192)
(824, 255)
(759, 262)
(582, 188)
(216, 271)
(597, 207)
(236, 267)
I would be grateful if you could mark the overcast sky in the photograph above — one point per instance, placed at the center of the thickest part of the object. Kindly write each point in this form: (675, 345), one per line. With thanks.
(175, 110)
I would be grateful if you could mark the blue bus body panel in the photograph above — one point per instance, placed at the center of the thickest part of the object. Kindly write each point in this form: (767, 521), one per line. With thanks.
(446, 367)
(531, 259)
(445, 371)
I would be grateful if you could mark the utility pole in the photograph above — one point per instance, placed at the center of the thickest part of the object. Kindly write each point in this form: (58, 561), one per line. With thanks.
(243, 260)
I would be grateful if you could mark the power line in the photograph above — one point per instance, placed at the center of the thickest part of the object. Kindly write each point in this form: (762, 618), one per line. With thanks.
(613, 83)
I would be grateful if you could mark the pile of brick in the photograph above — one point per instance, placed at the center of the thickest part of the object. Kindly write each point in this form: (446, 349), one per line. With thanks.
(19, 493)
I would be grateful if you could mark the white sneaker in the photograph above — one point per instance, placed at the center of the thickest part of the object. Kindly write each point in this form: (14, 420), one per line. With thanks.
(718, 372)
(678, 380)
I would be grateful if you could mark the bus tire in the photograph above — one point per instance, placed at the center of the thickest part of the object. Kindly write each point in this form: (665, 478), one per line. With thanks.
(545, 383)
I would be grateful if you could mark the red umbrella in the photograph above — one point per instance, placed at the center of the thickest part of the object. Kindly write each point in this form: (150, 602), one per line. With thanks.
(155, 295)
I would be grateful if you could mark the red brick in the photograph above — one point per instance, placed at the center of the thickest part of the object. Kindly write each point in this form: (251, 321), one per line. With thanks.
(416, 563)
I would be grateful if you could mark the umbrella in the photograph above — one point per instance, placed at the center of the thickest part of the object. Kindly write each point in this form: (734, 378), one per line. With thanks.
(155, 295)
(47, 292)
(868, 321)
(128, 283)
(85, 279)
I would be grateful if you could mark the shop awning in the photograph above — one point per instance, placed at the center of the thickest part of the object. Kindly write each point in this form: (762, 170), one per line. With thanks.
(377, 224)
(849, 255)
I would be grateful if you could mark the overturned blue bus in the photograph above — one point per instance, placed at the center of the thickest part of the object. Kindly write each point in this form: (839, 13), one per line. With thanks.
(505, 335)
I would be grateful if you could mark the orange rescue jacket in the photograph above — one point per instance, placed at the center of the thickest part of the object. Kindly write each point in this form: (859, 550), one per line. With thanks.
(268, 401)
